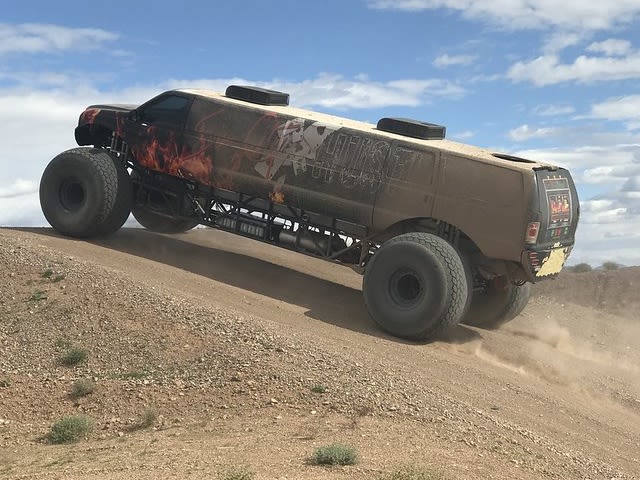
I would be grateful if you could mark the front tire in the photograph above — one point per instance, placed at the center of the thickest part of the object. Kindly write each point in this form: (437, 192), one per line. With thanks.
(498, 305)
(85, 192)
(415, 286)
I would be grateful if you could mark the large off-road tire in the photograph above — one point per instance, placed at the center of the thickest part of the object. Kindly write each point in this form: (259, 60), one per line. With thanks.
(85, 192)
(159, 223)
(498, 305)
(156, 222)
(124, 201)
(415, 286)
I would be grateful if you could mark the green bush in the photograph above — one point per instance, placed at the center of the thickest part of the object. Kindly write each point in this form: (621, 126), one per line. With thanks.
(581, 268)
(63, 344)
(335, 454)
(70, 429)
(411, 473)
(237, 473)
(74, 356)
(610, 266)
(149, 418)
(82, 387)
(38, 295)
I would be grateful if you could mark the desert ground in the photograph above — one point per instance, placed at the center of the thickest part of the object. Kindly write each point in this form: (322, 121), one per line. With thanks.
(210, 352)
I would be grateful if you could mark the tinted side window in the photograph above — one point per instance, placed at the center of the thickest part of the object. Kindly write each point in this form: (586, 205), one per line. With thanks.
(169, 110)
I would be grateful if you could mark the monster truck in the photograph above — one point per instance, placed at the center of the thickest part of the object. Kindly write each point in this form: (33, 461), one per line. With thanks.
(443, 232)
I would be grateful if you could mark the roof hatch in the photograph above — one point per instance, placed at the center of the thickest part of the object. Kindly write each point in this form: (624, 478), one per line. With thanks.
(412, 128)
(257, 95)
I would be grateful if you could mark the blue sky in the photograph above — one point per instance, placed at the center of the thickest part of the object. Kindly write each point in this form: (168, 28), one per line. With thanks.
(555, 81)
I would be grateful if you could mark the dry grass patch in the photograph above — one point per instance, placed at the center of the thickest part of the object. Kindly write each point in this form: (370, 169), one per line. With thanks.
(335, 454)
(70, 429)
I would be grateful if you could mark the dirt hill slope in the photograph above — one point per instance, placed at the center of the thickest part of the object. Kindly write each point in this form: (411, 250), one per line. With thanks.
(254, 356)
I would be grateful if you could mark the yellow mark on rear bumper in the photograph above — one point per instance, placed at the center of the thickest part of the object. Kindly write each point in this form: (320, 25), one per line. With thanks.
(554, 262)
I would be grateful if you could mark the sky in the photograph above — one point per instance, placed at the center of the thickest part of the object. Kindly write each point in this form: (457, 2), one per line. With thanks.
(552, 81)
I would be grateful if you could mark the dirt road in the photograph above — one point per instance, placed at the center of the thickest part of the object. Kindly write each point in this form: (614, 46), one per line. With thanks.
(254, 356)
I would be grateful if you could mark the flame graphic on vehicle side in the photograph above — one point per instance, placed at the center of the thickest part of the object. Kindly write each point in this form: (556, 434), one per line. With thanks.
(161, 152)
(89, 116)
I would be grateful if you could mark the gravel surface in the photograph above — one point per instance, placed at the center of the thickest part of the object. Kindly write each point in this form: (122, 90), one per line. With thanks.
(193, 375)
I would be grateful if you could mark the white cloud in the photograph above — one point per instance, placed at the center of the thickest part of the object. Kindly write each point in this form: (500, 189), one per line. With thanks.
(607, 237)
(553, 110)
(335, 91)
(524, 132)
(560, 40)
(18, 187)
(625, 109)
(445, 60)
(40, 38)
(611, 47)
(609, 229)
(464, 135)
(608, 181)
(579, 159)
(612, 175)
(517, 14)
(23, 211)
(548, 70)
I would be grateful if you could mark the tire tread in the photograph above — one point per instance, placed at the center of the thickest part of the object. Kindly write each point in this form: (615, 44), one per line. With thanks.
(456, 281)
(99, 165)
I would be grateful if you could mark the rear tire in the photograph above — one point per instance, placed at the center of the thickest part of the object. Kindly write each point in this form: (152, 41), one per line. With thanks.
(498, 305)
(415, 286)
(153, 220)
(158, 223)
(85, 192)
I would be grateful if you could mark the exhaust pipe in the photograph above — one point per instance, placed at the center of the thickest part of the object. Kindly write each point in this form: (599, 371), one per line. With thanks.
(311, 241)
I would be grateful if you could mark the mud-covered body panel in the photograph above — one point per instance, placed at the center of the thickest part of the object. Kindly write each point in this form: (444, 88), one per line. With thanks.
(332, 166)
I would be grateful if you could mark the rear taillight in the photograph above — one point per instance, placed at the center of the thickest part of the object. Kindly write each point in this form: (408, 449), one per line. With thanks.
(534, 261)
(531, 236)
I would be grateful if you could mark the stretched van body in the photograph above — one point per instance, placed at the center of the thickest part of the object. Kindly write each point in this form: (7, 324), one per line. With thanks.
(443, 232)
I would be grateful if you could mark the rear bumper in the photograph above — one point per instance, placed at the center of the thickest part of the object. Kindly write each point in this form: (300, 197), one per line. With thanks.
(543, 263)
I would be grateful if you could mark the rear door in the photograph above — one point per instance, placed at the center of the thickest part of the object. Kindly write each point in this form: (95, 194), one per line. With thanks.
(559, 208)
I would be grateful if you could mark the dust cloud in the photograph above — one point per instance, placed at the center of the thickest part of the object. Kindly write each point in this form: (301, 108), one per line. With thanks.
(592, 352)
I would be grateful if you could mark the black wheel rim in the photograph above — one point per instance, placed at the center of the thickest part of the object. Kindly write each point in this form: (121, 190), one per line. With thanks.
(72, 194)
(406, 288)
